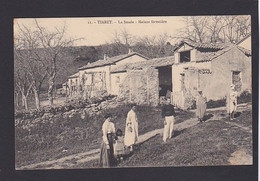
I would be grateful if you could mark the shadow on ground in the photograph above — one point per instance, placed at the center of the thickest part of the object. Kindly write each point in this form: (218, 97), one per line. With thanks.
(237, 114)
(207, 117)
(177, 133)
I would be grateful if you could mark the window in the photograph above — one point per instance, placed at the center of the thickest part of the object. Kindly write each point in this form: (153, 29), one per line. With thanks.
(185, 56)
(117, 79)
(182, 82)
(236, 80)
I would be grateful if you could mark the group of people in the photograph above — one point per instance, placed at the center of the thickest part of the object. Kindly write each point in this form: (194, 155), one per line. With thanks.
(114, 146)
(231, 104)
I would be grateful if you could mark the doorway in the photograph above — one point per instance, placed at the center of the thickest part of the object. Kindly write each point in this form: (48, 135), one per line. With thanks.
(165, 80)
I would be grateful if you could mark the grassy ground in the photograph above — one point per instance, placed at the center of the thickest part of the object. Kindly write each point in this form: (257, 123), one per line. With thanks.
(61, 136)
(208, 143)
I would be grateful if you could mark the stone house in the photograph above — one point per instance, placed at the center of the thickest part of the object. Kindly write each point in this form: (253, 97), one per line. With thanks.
(194, 66)
(211, 68)
(95, 78)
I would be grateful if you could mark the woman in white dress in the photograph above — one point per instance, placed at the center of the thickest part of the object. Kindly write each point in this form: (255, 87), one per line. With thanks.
(131, 129)
(201, 106)
(232, 102)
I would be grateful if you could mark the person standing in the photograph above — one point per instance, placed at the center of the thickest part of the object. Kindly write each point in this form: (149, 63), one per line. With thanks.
(201, 106)
(131, 129)
(119, 147)
(232, 102)
(168, 114)
(107, 150)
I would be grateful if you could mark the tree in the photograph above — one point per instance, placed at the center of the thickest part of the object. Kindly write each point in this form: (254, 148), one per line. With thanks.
(42, 52)
(195, 28)
(235, 28)
(154, 46)
(52, 45)
(22, 80)
(16, 94)
(123, 37)
(26, 44)
(213, 29)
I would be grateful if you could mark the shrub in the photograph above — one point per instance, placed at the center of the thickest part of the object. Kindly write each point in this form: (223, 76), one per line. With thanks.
(244, 97)
(216, 103)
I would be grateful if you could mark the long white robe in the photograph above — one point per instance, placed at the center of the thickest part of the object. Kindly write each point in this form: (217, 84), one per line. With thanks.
(201, 106)
(131, 129)
(232, 101)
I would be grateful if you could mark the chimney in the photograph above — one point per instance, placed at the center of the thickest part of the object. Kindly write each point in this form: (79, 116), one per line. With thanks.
(105, 56)
(130, 50)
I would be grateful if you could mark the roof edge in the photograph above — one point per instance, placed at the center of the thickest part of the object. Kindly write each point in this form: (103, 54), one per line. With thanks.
(247, 36)
(108, 63)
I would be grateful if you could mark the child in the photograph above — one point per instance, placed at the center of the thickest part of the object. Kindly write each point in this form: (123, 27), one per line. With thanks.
(119, 147)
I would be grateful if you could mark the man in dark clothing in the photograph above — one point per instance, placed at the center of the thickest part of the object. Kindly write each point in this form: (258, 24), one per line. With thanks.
(168, 113)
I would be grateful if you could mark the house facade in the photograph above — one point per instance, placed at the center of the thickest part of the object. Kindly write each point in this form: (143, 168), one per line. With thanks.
(95, 78)
(211, 68)
(144, 82)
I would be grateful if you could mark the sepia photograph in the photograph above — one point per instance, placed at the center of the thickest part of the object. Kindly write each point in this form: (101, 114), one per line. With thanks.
(140, 91)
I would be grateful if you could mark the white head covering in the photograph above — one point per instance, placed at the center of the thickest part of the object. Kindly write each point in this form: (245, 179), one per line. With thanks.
(232, 86)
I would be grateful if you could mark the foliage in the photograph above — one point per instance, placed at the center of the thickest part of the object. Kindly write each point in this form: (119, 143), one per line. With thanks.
(216, 103)
(244, 97)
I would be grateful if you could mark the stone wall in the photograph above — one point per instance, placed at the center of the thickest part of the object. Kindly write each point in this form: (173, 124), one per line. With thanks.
(141, 87)
(153, 86)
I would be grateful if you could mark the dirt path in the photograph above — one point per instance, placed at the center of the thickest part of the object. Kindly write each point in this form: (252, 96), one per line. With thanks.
(240, 157)
(75, 159)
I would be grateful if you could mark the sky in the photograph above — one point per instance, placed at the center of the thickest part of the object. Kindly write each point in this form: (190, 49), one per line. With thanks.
(97, 31)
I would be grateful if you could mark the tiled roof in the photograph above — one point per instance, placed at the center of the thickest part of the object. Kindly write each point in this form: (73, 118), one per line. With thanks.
(208, 56)
(110, 61)
(217, 46)
(156, 62)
